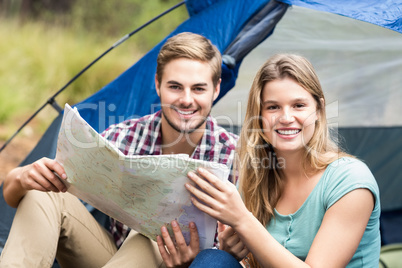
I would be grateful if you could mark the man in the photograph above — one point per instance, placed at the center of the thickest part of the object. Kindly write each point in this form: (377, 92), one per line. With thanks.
(50, 222)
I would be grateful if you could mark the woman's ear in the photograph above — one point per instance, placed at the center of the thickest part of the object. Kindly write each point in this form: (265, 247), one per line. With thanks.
(322, 108)
(322, 103)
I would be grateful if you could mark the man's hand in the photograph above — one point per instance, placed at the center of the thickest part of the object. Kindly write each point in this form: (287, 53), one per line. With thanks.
(43, 175)
(230, 242)
(181, 254)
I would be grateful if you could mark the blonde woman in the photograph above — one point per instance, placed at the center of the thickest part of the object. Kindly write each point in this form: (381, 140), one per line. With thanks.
(306, 203)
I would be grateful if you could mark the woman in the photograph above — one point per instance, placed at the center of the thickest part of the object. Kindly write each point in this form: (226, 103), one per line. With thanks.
(311, 204)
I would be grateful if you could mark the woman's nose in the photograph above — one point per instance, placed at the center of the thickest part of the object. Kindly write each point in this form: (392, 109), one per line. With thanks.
(286, 117)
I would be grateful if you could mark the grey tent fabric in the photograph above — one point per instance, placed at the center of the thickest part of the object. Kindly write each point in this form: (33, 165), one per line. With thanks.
(369, 145)
(7, 214)
(47, 145)
(48, 148)
(254, 32)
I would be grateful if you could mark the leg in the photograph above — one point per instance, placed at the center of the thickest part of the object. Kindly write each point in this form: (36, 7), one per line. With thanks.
(47, 224)
(215, 258)
(137, 251)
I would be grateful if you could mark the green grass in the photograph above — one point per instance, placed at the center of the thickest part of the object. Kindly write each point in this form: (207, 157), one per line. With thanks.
(37, 60)
(38, 57)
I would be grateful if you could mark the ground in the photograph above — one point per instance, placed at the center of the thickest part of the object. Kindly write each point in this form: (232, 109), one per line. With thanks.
(15, 152)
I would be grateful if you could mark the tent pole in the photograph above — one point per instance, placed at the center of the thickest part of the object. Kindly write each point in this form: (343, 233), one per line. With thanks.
(52, 101)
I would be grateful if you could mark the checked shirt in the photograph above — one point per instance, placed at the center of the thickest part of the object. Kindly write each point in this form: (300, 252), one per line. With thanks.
(143, 137)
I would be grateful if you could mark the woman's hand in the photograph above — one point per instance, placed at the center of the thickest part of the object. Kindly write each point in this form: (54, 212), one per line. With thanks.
(219, 199)
(230, 242)
(181, 254)
(43, 175)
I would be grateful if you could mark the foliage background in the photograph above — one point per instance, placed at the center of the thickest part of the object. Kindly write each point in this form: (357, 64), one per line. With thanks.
(45, 43)
(48, 42)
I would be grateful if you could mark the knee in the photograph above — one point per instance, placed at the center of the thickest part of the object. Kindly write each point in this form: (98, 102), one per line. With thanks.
(34, 197)
(215, 258)
(42, 200)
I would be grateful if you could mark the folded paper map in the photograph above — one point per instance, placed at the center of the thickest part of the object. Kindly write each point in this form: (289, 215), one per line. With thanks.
(143, 192)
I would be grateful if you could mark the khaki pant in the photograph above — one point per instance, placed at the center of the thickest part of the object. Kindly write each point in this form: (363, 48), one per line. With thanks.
(57, 225)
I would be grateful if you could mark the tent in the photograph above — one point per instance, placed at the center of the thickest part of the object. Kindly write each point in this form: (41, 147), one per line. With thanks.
(236, 27)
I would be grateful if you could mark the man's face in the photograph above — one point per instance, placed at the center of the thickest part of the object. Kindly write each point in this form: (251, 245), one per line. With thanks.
(187, 93)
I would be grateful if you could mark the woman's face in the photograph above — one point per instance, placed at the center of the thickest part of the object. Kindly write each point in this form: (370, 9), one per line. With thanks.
(289, 113)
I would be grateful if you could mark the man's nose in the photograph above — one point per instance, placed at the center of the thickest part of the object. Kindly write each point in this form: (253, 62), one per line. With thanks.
(186, 97)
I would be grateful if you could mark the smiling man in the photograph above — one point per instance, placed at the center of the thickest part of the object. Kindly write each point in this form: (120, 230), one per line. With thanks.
(187, 90)
(186, 105)
(51, 223)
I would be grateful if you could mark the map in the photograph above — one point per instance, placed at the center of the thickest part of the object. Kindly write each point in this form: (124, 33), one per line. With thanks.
(143, 192)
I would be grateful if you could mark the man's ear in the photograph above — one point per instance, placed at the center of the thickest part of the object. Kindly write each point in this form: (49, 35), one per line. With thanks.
(157, 86)
(217, 89)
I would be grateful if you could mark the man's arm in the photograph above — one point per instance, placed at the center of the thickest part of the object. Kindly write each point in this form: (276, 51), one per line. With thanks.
(42, 175)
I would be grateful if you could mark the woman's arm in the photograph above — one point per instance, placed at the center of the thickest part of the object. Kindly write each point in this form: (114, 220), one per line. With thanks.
(342, 229)
(40, 175)
(334, 245)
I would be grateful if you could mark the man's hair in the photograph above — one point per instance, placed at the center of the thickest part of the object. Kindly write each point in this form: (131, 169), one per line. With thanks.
(190, 46)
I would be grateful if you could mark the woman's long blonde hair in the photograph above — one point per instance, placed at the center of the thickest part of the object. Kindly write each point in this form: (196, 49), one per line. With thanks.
(258, 167)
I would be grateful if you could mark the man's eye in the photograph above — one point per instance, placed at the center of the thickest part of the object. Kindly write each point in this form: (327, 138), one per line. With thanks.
(174, 87)
(199, 89)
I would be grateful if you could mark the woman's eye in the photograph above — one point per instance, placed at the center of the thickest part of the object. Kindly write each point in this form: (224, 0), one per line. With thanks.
(299, 105)
(272, 107)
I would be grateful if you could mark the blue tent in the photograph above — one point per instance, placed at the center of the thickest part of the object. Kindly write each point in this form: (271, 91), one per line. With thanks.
(236, 27)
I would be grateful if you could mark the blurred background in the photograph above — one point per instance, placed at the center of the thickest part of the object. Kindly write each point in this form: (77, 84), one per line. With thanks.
(44, 43)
